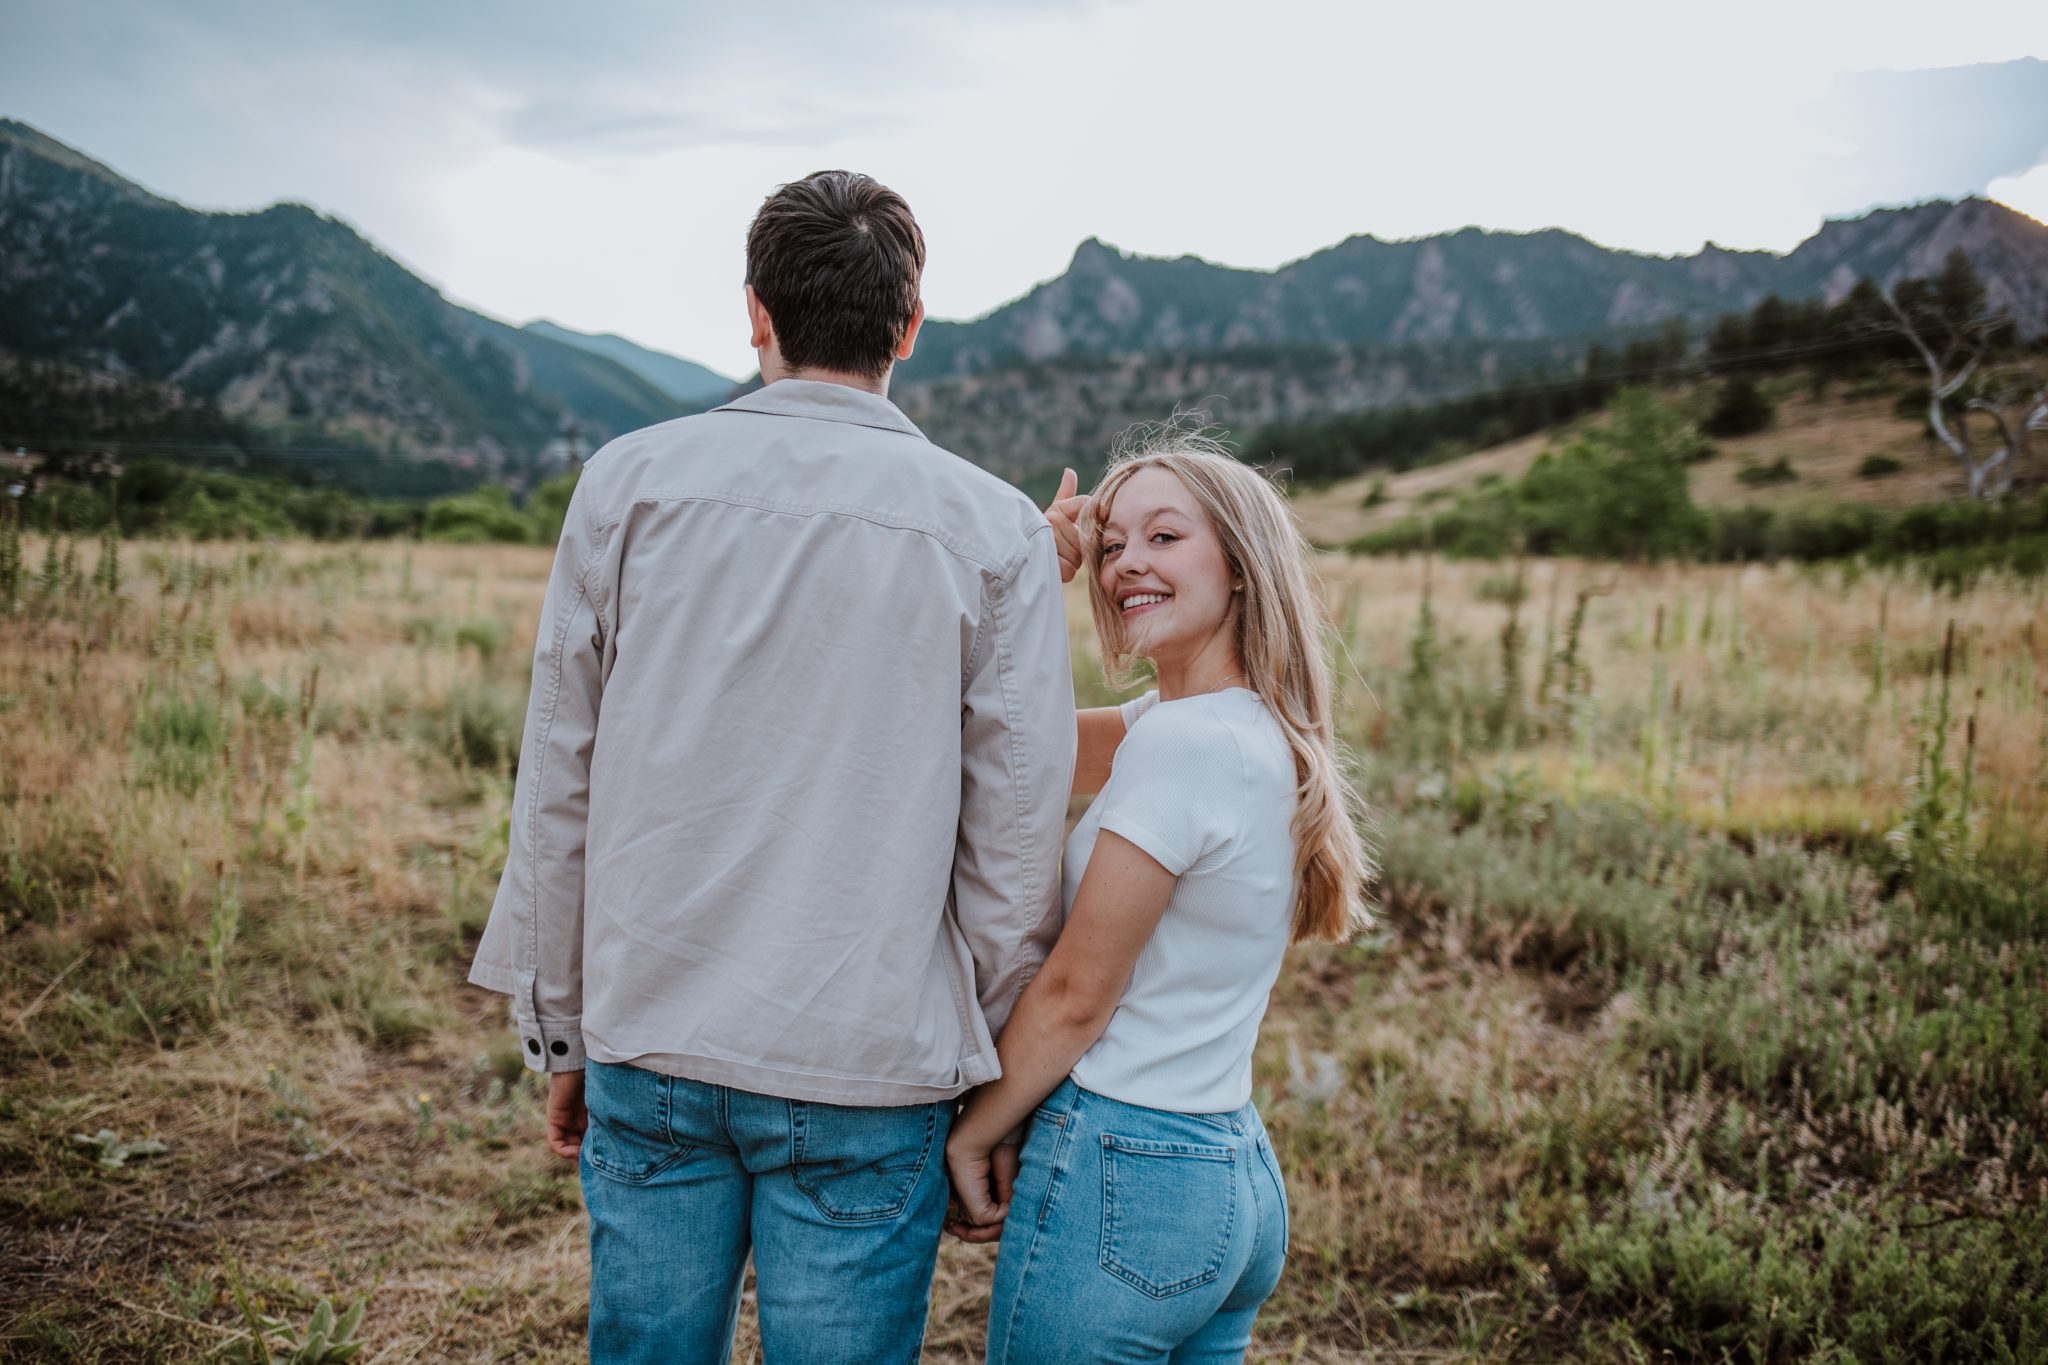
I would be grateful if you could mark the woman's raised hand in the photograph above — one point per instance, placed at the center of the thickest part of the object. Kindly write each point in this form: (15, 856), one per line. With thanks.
(1064, 512)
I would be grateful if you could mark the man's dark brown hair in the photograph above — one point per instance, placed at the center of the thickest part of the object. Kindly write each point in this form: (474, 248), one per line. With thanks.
(835, 258)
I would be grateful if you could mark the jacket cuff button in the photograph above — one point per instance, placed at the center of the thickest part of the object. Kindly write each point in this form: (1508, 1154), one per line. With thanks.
(533, 1046)
(559, 1048)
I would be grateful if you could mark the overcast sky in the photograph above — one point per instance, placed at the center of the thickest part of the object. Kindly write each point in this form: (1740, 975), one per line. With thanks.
(597, 163)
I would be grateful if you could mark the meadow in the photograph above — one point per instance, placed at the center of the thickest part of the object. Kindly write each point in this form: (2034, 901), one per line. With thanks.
(1705, 1016)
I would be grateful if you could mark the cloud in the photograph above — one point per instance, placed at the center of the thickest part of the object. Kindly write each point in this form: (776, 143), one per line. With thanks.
(595, 123)
(599, 163)
(1907, 135)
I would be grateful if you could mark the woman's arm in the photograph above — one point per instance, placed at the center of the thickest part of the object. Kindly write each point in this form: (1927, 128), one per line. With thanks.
(1063, 1011)
(1101, 730)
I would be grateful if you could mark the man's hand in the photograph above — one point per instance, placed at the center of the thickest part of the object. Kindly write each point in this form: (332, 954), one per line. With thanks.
(1064, 512)
(982, 1185)
(567, 1118)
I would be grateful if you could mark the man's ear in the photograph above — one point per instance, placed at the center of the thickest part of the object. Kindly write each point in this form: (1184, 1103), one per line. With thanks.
(757, 318)
(909, 342)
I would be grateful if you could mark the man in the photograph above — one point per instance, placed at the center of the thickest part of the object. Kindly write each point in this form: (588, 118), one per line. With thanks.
(785, 837)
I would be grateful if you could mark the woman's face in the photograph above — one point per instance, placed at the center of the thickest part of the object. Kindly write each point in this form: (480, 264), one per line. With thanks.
(1162, 567)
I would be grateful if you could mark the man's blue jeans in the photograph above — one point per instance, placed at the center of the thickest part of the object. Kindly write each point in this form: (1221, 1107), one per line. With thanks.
(842, 1208)
(1137, 1235)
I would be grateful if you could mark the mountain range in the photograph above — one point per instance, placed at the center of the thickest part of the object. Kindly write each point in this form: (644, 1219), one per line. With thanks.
(684, 381)
(289, 316)
(1474, 285)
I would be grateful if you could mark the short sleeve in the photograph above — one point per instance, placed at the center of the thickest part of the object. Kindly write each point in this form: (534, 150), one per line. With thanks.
(1177, 786)
(1138, 706)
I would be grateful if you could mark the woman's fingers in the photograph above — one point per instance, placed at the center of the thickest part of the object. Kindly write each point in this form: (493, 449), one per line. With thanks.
(971, 1187)
(1064, 513)
(981, 1194)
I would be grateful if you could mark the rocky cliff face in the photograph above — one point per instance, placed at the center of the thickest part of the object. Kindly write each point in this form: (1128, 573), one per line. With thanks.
(2009, 250)
(1021, 420)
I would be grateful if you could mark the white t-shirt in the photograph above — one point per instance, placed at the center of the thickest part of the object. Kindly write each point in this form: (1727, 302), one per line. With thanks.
(1205, 785)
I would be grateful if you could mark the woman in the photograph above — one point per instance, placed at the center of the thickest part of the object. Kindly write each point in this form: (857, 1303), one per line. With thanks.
(1149, 1220)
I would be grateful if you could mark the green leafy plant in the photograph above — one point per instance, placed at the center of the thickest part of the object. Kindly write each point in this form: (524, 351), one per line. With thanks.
(193, 1296)
(1936, 828)
(328, 1337)
(111, 1153)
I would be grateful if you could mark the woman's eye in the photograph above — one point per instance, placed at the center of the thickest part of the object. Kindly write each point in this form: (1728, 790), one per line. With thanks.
(1164, 537)
(1112, 548)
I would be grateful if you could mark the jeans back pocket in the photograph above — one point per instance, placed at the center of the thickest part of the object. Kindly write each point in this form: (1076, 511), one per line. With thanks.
(629, 1136)
(1167, 1210)
(861, 1165)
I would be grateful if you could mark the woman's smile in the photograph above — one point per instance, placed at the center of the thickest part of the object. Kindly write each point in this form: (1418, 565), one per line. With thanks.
(1138, 603)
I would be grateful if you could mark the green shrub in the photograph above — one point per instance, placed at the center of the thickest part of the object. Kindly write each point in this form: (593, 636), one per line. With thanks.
(1878, 467)
(1718, 1275)
(1958, 570)
(1506, 589)
(485, 635)
(485, 516)
(1619, 492)
(1740, 409)
(479, 728)
(1743, 534)
(1829, 532)
(1761, 475)
(176, 741)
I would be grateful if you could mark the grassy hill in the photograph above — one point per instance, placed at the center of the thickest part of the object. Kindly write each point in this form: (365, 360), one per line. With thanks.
(1823, 440)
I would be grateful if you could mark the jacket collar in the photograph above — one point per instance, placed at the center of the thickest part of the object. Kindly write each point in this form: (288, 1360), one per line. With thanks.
(825, 402)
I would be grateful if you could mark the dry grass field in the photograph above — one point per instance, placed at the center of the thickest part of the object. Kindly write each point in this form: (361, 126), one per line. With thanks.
(1706, 1016)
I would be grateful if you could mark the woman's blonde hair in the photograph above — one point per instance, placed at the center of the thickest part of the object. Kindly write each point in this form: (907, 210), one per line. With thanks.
(1279, 641)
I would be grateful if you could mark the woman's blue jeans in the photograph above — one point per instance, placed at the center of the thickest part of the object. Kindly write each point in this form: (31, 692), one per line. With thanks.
(841, 1206)
(1137, 1235)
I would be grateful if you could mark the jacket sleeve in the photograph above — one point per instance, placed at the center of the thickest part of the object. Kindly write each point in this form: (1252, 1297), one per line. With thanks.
(532, 945)
(1017, 766)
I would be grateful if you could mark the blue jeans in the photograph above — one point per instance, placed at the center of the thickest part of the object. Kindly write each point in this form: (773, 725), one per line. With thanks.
(1137, 1235)
(842, 1208)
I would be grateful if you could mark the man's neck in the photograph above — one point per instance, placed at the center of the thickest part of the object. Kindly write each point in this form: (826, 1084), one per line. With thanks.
(878, 387)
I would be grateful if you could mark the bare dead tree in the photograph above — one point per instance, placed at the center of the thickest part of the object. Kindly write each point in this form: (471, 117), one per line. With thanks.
(2015, 399)
(1946, 323)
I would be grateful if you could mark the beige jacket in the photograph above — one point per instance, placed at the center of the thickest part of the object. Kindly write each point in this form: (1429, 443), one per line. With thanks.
(795, 768)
